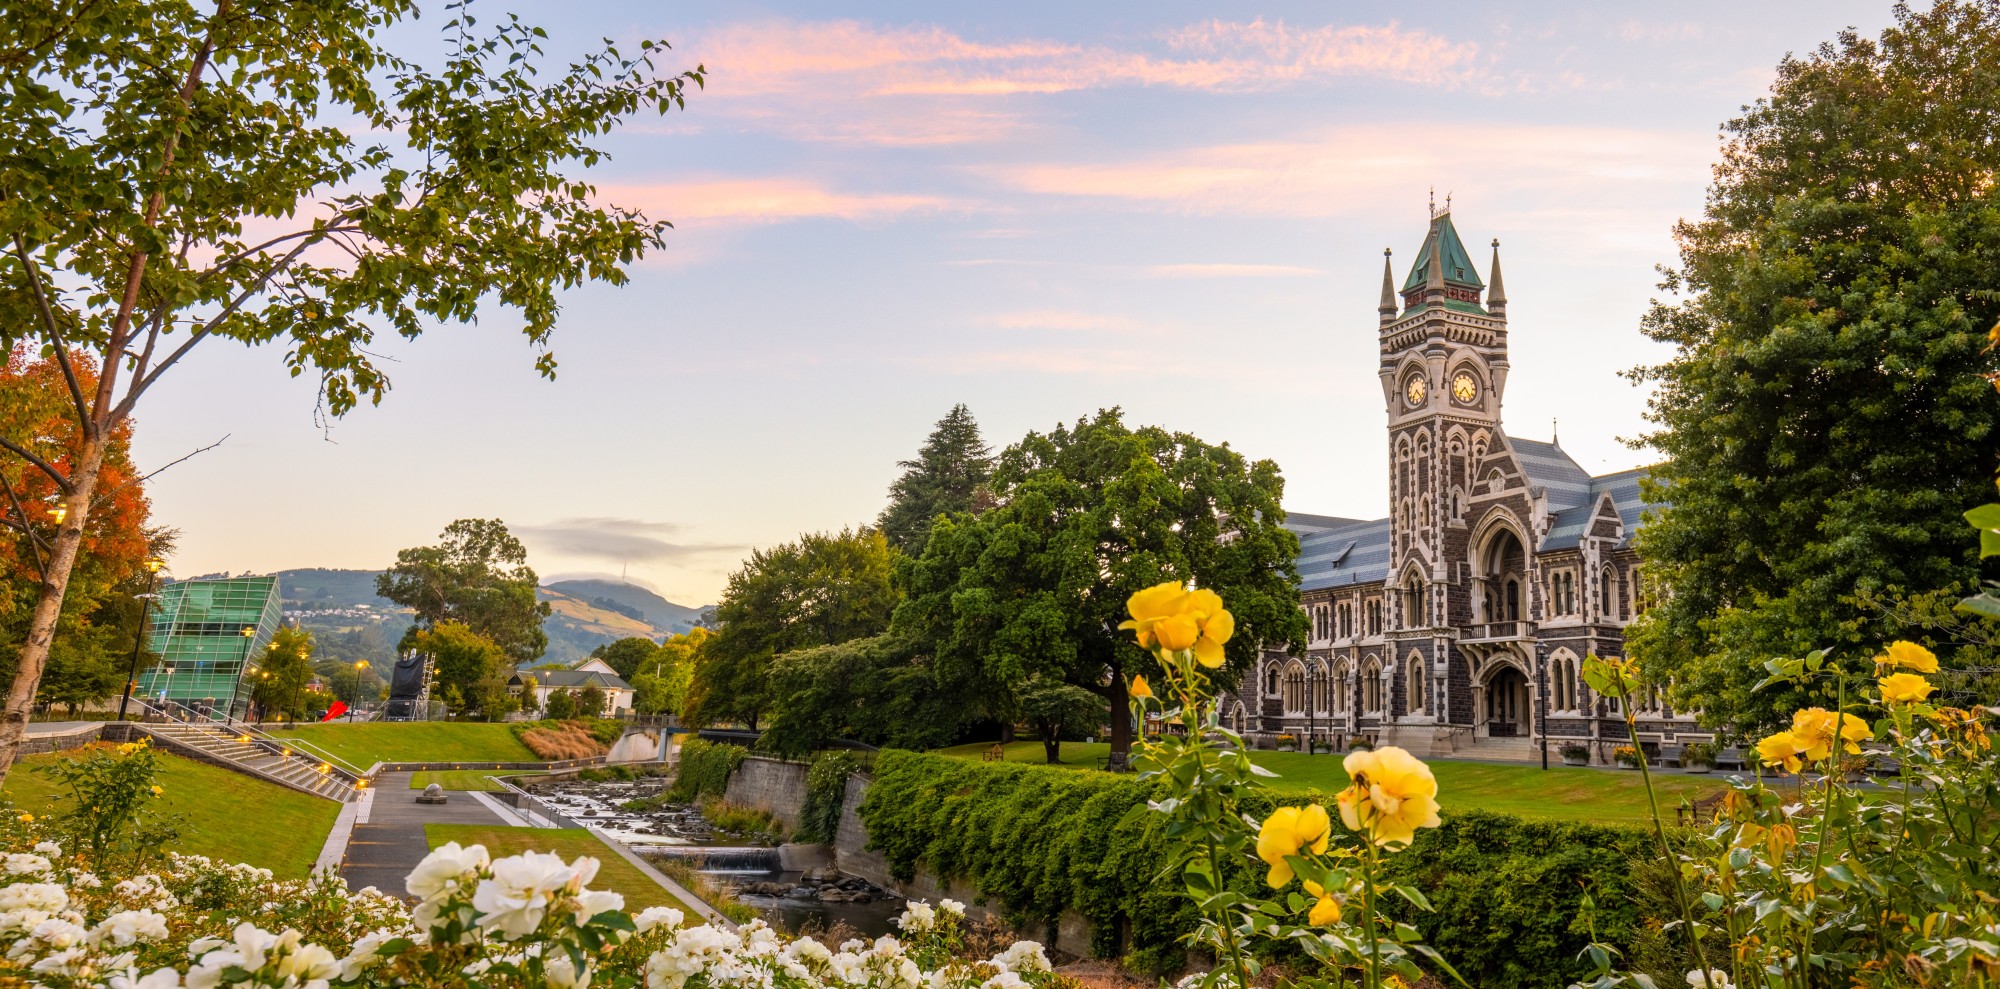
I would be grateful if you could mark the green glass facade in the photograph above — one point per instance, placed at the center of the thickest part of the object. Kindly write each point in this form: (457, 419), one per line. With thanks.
(197, 628)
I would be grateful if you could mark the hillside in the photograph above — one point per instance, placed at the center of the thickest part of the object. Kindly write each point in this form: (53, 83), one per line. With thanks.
(634, 600)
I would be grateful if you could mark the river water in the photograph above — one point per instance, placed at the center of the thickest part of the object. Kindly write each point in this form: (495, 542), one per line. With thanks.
(679, 832)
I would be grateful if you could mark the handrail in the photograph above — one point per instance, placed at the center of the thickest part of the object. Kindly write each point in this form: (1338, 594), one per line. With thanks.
(245, 728)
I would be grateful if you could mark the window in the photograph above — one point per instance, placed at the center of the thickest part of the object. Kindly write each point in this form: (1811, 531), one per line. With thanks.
(1414, 688)
(1371, 689)
(1513, 600)
(1342, 689)
(1271, 679)
(1607, 600)
(1294, 692)
(1374, 616)
(1347, 619)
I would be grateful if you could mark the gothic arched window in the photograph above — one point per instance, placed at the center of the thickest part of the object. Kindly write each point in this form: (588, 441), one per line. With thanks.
(1414, 686)
(1513, 600)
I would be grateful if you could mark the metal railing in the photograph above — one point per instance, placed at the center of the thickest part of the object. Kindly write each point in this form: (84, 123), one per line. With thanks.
(174, 712)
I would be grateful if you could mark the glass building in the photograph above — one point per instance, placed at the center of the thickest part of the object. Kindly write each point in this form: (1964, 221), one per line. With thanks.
(198, 629)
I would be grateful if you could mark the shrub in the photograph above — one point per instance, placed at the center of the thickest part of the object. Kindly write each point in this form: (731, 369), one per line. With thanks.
(1626, 755)
(748, 822)
(107, 819)
(1038, 840)
(1698, 753)
(704, 769)
(573, 738)
(1574, 750)
(561, 706)
(1361, 744)
(826, 791)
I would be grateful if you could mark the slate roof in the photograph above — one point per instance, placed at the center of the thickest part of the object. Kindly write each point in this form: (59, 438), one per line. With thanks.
(578, 678)
(1573, 493)
(1350, 553)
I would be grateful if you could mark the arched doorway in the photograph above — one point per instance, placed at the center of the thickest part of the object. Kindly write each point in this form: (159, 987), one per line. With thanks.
(1508, 711)
(1503, 565)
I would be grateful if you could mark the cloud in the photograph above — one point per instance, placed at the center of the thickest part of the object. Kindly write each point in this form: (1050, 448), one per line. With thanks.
(1223, 270)
(766, 200)
(1063, 319)
(854, 82)
(615, 539)
(1351, 170)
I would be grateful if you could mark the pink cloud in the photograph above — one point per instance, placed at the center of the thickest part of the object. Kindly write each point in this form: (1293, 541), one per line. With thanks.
(765, 200)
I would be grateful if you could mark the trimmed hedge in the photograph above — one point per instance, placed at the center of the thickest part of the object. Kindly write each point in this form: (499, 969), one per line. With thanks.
(1037, 840)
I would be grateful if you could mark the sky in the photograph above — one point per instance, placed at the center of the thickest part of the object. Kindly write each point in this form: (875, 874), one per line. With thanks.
(1036, 209)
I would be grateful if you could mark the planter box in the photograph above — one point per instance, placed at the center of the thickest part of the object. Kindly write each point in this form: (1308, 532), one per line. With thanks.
(1288, 748)
(1627, 765)
(1698, 767)
(1576, 760)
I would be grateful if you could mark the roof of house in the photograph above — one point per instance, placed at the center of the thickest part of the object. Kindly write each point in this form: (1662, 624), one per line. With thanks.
(571, 679)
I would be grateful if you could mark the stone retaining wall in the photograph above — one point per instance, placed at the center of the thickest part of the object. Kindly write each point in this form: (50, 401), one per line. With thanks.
(770, 785)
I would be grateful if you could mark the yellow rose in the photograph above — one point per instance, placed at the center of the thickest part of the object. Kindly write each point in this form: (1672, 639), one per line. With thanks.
(1393, 795)
(1903, 688)
(1286, 832)
(1139, 688)
(1171, 617)
(1813, 733)
(1781, 749)
(157, 790)
(1325, 913)
(1909, 656)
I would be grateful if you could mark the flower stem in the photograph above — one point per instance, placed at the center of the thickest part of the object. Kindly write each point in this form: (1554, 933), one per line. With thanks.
(1666, 850)
(1374, 967)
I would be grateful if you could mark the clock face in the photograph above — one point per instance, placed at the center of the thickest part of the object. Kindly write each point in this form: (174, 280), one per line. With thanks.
(1464, 387)
(1414, 391)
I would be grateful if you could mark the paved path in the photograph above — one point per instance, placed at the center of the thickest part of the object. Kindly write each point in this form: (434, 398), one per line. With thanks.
(391, 842)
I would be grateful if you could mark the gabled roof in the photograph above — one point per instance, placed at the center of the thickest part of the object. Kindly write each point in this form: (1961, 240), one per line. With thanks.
(1547, 466)
(1303, 525)
(571, 679)
(1354, 553)
(1458, 268)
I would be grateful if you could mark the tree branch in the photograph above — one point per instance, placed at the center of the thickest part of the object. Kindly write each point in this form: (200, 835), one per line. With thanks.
(28, 455)
(211, 446)
(34, 541)
(55, 333)
(140, 384)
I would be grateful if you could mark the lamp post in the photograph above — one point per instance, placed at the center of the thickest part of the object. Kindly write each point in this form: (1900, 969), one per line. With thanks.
(139, 640)
(249, 644)
(167, 691)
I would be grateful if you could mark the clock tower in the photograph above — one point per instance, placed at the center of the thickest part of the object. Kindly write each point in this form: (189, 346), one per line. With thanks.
(1443, 348)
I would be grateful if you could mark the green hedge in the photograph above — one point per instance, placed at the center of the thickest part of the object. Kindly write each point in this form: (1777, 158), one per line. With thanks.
(704, 769)
(826, 790)
(1036, 841)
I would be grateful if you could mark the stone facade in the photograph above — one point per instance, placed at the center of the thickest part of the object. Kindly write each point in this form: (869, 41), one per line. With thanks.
(1458, 624)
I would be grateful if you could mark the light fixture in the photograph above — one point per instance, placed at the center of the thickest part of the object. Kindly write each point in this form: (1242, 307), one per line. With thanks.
(59, 513)
(153, 565)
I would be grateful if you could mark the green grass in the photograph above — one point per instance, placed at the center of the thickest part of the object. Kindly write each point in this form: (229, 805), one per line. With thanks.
(1561, 793)
(614, 873)
(363, 745)
(462, 779)
(224, 815)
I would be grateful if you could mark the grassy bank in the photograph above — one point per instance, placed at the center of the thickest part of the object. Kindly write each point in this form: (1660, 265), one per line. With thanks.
(1560, 793)
(614, 873)
(224, 815)
(365, 744)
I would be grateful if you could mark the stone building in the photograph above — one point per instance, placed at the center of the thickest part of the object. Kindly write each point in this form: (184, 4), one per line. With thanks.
(1458, 624)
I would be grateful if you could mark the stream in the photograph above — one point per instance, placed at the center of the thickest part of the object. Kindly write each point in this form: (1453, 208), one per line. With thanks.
(751, 873)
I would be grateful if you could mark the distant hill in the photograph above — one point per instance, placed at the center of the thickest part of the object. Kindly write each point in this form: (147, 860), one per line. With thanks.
(584, 614)
(636, 602)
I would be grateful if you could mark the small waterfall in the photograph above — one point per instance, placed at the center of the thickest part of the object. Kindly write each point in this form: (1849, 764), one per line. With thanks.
(717, 858)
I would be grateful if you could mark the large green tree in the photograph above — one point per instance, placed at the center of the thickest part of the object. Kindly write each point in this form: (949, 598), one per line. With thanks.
(878, 689)
(1824, 411)
(266, 170)
(1084, 516)
(478, 576)
(468, 666)
(279, 687)
(823, 589)
(628, 655)
(948, 477)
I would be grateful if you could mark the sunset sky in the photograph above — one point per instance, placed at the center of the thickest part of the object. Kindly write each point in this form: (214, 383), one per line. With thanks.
(1036, 209)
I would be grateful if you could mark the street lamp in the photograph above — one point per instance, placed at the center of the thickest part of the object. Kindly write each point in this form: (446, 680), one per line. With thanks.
(167, 692)
(139, 640)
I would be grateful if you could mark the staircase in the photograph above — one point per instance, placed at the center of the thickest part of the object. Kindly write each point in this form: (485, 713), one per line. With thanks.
(247, 750)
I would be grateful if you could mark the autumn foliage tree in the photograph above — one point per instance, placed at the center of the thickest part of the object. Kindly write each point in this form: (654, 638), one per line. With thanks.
(93, 641)
(266, 170)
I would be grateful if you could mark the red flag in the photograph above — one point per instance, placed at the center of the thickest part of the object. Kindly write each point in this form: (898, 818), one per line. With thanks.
(339, 708)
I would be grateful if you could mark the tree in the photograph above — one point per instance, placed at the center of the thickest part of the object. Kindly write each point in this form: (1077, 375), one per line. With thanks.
(477, 576)
(1056, 709)
(878, 689)
(948, 477)
(282, 674)
(629, 655)
(91, 650)
(469, 665)
(590, 701)
(561, 705)
(144, 141)
(1084, 516)
(1824, 409)
(818, 591)
(661, 685)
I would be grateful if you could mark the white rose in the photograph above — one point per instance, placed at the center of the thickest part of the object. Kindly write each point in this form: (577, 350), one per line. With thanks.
(159, 978)
(252, 945)
(592, 902)
(1717, 979)
(309, 963)
(562, 973)
(22, 864)
(48, 848)
(1005, 980)
(652, 917)
(517, 896)
(129, 926)
(443, 869)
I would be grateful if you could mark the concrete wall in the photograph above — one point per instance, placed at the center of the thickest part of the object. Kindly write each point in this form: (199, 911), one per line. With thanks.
(636, 746)
(767, 784)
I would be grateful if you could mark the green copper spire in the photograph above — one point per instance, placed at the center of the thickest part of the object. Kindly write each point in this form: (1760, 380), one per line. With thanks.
(1458, 269)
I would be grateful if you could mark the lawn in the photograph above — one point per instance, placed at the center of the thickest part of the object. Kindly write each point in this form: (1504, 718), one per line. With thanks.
(461, 779)
(224, 815)
(365, 744)
(1561, 793)
(614, 873)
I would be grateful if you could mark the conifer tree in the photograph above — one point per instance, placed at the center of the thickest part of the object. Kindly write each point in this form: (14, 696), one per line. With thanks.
(948, 477)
